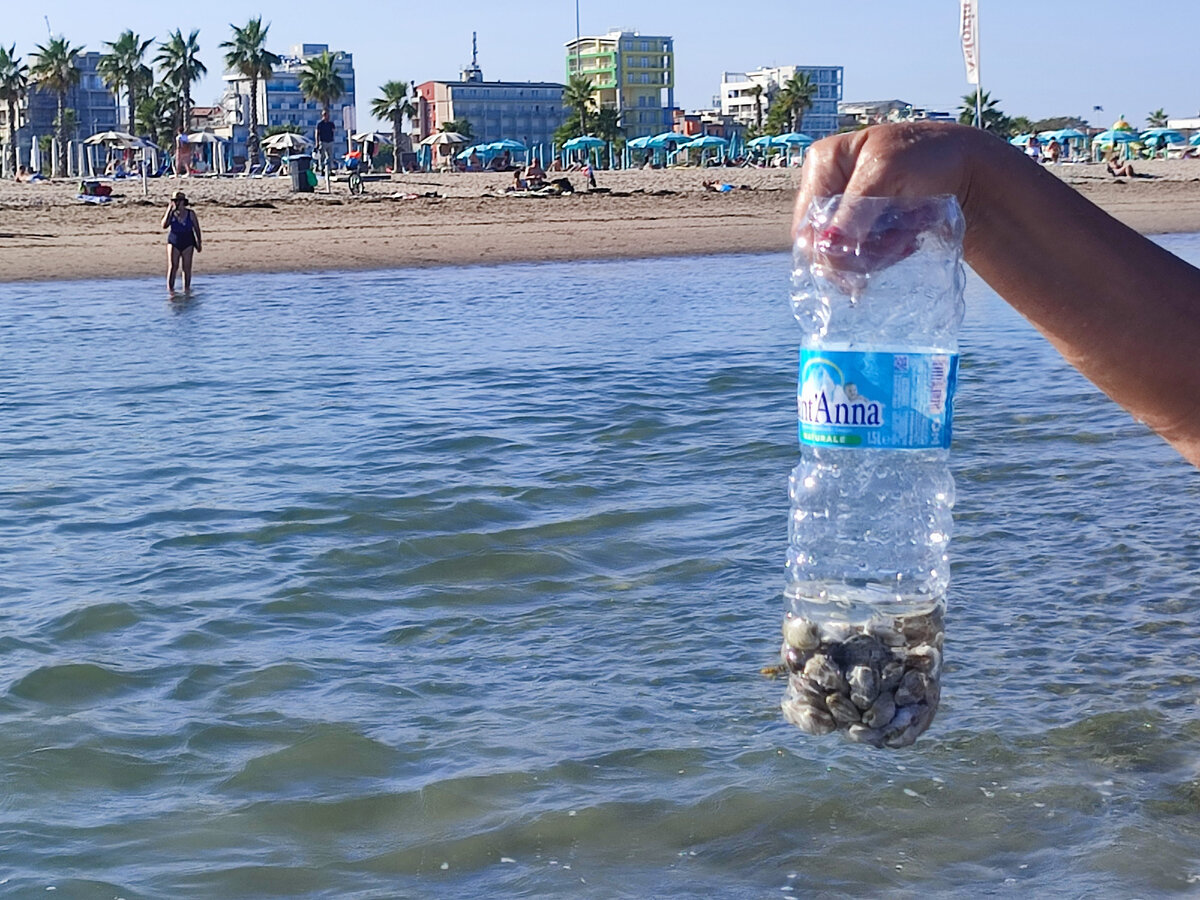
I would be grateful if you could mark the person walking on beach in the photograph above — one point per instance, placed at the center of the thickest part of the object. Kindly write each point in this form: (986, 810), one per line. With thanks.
(182, 152)
(183, 239)
(325, 141)
(1121, 309)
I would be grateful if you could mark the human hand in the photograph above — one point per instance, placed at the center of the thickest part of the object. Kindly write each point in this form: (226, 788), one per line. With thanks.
(912, 160)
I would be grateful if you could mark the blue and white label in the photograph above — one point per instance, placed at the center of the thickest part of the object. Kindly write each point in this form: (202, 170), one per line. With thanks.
(899, 401)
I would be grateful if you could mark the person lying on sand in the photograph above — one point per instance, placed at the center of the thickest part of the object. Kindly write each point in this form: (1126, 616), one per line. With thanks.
(1128, 320)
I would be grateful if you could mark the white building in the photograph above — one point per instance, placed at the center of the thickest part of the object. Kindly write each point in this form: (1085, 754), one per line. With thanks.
(280, 101)
(821, 119)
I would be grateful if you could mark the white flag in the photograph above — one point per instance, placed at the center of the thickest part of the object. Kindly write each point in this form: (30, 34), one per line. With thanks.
(968, 30)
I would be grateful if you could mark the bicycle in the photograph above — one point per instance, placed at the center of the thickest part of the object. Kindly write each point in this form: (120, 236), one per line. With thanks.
(354, 164)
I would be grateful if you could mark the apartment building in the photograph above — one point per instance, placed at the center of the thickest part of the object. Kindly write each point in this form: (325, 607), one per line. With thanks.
(630, 72)
(821, 119)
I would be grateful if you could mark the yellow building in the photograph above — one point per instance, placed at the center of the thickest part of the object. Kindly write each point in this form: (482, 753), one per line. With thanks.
(630, 72)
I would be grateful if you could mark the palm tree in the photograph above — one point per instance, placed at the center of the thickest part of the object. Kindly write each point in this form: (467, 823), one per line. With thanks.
(1157, 119)
(797, 97)
(122, 67)
(608, 124)
(393, 106)
(54, 69)
(157, 113)
(578, 97)
(992, 118)
(178, 60)
(248, 55)
(320, 82)
(14, 82)
(460, 125)
(757, 92)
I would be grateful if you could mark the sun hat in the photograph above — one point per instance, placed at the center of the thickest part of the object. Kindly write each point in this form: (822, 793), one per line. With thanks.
(179, 195)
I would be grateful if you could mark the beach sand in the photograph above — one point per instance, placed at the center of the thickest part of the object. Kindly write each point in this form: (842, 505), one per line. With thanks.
(258, 225)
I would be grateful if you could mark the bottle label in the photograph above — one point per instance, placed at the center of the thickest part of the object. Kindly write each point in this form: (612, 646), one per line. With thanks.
(876, 400)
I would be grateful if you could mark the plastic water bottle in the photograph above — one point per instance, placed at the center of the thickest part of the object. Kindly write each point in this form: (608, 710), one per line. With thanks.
(877, 288)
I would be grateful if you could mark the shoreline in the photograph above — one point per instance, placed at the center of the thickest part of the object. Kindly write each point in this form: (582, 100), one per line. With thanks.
(423, 220)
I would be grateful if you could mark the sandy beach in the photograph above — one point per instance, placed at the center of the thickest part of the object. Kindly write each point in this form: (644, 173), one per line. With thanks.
(258, 225)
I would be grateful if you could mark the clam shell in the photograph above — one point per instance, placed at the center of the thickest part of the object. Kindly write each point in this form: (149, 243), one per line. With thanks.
(801, 633)
(912, 688)
(813, 721)
(821, 669)
(882, 711)
(864, 686)
(843, 711)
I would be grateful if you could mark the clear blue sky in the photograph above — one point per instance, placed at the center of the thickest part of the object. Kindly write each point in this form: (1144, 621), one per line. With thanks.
(1039, 59)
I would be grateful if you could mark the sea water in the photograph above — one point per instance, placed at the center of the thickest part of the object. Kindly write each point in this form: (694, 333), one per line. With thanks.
(459, 581)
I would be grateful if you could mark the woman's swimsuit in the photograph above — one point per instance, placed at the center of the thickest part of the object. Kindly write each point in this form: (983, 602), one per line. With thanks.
(182, 234)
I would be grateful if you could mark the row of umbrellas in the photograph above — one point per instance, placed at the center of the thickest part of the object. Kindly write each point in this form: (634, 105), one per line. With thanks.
(1117, 135)
(495, 148)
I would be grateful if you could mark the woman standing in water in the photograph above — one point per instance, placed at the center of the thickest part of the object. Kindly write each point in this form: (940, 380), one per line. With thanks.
(183, 239)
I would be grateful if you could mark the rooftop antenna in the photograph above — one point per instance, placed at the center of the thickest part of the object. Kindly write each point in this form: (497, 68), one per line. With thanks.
(474, 52)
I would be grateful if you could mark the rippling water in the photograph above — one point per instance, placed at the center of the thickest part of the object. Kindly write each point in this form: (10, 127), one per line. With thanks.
(458, 582)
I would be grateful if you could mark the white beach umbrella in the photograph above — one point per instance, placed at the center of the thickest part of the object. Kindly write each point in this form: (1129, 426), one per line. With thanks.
(371, 137)
(206, 137)
(120, 139)
(445, 137)
(286, 140)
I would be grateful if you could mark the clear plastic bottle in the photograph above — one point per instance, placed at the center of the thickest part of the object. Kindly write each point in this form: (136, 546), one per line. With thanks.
(877, 288)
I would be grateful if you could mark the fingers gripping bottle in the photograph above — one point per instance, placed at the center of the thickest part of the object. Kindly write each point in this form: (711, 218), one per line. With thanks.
(877, 288)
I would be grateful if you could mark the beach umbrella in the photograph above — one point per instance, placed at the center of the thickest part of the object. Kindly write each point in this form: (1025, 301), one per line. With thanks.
(444, 137)
(206, 137)
(286, 140)
(638, 143)
(794, 137)
(1172, 136)
(707, 141)
(1021, 140)
(371, 137)
(500, 146)
(1195, 139)
(120, 139)
(587, 142)
(1120, 135)
(1066, 134)
(474, 148)
(668, 137)
(762, 141)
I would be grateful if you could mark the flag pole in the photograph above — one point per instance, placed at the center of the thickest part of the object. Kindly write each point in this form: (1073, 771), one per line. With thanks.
(968, 32)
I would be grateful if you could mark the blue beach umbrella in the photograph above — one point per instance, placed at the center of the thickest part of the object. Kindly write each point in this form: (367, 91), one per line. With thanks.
(500, 146)
(639, 143)
(587, 142)
(1172, 136)
(1021, 140)
(1195, 139)
(791, 139)
(763, 141)
(668, 137)
(474, 148)
(707, 141)
(1062, 134)
(1120, 135)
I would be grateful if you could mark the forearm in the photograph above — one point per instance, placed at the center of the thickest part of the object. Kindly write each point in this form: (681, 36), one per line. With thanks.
(1119, 308)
